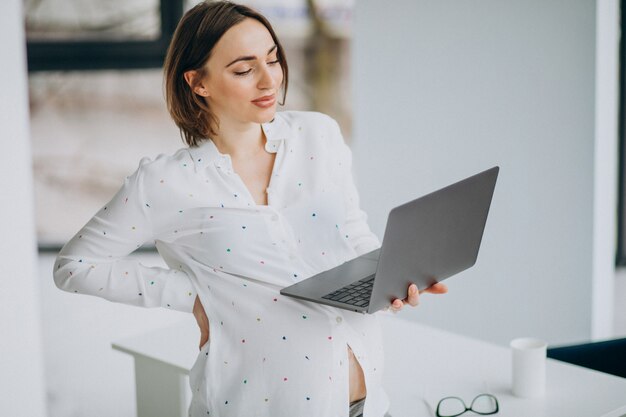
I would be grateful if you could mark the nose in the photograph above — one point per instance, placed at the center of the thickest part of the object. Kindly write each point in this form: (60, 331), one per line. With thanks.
(266, 80)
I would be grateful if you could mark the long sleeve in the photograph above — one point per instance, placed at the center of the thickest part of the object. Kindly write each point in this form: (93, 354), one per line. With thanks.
(363, 240)
(96, 262)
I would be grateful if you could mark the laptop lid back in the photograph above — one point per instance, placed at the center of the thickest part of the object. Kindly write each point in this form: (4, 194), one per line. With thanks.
(433, 237)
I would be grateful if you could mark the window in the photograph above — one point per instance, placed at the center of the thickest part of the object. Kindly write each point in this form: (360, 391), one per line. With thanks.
(89, 42)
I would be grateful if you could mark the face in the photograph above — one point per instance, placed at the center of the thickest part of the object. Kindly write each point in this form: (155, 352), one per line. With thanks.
(243, 75)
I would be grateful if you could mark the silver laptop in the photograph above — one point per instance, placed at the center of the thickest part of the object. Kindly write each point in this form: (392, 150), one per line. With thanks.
(426, 241)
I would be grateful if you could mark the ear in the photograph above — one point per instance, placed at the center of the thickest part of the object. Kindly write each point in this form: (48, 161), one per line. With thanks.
(192, 77)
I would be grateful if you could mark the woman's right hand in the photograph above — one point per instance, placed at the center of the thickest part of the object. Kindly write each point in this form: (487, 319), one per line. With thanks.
(203, 321)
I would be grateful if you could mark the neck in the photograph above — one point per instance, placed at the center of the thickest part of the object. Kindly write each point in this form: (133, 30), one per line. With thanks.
(239, 140)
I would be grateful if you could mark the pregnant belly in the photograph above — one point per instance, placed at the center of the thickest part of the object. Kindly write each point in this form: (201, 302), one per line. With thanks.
(357, 380)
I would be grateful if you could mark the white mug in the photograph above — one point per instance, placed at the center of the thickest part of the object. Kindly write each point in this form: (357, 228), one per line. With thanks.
(529, 367)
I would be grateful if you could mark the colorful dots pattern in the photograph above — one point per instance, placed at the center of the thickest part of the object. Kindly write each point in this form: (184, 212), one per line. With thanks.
(208, 213)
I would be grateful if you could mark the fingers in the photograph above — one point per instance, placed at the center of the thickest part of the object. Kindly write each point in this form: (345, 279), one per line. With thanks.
(413, 296)
(396, 305)
(437, 288)
(411, 299)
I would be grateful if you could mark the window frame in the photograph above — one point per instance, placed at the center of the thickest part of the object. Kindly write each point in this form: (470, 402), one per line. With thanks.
(91, 55)
(106, 55)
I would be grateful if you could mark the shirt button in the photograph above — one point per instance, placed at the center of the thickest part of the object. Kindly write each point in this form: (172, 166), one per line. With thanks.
(292, 256)
(274, 217)
(339, 319)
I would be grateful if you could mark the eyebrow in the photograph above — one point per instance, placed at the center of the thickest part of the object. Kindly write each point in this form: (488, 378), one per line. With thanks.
(249, 57)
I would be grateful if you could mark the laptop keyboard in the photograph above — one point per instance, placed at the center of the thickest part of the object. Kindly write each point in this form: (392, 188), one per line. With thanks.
(357, 294)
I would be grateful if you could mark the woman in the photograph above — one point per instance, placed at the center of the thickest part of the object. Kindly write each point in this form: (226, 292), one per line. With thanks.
(257, 201)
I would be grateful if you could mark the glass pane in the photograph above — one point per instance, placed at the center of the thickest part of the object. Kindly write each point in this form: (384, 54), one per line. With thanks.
(484, 404)
(63, 20)
(449, 407)
(89, 130)
(292, 18)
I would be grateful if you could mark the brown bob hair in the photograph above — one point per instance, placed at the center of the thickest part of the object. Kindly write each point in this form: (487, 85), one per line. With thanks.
(197, 33)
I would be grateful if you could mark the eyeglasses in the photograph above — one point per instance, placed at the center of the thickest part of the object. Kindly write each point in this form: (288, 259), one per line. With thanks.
(484, 404)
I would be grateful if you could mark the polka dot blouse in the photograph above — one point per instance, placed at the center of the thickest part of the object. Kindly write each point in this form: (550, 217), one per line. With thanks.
(268, 355)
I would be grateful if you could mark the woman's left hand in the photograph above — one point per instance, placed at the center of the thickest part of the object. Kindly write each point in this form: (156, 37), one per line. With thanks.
(413, 295)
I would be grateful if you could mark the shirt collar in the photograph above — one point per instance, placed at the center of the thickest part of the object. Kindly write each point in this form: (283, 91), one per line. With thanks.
(206, 152)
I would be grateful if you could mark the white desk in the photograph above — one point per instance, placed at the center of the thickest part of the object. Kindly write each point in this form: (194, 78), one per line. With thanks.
(447, 364)
(428, 366)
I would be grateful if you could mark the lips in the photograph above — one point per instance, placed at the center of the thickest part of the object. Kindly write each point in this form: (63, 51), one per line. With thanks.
(265, 101)
(267, 97)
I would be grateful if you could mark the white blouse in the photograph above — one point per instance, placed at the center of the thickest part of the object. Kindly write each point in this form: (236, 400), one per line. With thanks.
(268, 355)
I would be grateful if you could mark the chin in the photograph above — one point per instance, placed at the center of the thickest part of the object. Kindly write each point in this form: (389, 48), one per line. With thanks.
(265, 115)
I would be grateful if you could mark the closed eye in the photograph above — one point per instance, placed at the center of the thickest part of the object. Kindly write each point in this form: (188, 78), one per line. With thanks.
(242, 73)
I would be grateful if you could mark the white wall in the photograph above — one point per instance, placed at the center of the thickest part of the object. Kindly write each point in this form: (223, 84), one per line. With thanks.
(22, 391)
(444, 89)
(606, 163)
